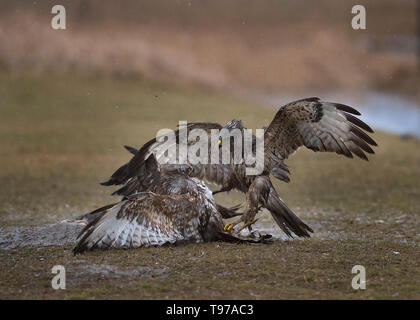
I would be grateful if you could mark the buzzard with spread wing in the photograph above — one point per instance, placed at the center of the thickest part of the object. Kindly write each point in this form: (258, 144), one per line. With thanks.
(317, 125)
(181, 209)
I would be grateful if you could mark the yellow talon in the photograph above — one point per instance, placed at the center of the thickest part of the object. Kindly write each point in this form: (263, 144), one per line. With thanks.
(228, 227)
(190, 170)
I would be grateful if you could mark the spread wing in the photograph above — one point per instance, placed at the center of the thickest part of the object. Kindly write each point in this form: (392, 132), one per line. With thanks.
(317, 125)
(135, 174)
(145, 219)
(152, 146)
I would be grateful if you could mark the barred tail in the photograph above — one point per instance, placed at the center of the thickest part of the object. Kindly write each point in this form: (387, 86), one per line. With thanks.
(284, 217)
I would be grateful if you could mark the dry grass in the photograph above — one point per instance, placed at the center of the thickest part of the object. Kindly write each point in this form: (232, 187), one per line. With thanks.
(284, 270)
(231, 46)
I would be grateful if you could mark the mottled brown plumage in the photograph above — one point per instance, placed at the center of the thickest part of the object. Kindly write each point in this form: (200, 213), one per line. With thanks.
(179, 209)
(319, 126)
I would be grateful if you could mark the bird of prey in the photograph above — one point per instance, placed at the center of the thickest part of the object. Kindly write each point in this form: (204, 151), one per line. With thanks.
(317, 125)
(180, 209)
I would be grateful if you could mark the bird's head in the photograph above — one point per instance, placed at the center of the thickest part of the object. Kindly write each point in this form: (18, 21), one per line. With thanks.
(228, 128)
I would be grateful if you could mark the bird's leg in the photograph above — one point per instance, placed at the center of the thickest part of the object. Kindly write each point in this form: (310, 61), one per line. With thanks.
(229, 226)
(248, 219)
(248, 224)
(251, 206)
(252, 201)
(244, 218)
(190, 169)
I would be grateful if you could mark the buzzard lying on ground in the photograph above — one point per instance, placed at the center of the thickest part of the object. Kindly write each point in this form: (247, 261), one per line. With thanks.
(319, 126)
(181, 209)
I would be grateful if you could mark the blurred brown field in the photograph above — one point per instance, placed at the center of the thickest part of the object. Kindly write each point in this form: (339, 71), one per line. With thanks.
(241, 47)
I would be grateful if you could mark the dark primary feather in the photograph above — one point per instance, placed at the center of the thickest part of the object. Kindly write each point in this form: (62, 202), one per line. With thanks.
(117, 177)
(345, 108)
(120, 176)
(131, 150)
(358, 122)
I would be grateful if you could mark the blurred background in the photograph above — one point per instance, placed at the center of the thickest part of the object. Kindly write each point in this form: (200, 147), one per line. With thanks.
(69, 99)
(246, 47)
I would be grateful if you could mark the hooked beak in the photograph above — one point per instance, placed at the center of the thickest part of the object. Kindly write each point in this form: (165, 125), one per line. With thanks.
(220, 143)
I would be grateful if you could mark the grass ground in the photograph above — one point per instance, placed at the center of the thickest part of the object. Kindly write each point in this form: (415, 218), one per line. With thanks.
(63, 134)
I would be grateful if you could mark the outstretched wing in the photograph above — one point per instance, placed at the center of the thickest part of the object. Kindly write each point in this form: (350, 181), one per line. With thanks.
(146, 219)
(151, 146)
(317, 125)
(134, 175)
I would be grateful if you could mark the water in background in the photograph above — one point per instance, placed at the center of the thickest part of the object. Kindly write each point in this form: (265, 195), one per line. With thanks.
(391, 113)
(381, 111)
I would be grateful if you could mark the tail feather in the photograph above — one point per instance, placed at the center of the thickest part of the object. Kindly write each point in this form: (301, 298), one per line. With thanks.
(285, 218)
(146, 177)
